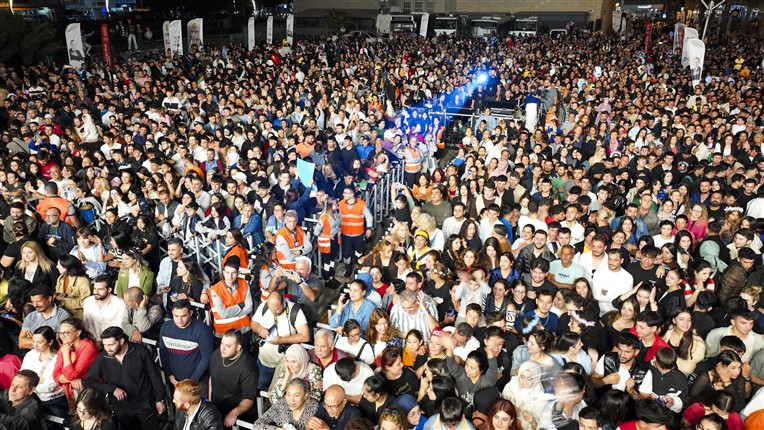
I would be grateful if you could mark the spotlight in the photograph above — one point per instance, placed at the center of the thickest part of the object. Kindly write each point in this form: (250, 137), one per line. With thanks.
(482, 78)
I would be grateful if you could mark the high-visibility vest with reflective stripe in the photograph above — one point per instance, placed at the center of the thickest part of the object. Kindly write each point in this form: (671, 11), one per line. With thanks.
(353, 222)
(295, 240)
(222, 325)
(413, 166)
(325, 238)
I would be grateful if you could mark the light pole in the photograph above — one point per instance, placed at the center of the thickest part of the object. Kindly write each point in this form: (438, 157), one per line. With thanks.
(710, 8)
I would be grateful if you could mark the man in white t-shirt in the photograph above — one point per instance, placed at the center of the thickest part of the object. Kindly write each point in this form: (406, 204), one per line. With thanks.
(277, 322)
(621, 369)
(349, 375)
(611, 282)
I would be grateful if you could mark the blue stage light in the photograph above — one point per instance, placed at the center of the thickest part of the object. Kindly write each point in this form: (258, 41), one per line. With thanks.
(482, 78)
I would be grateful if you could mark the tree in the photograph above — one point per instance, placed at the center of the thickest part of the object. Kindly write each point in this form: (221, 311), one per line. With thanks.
(24, 42)
(338, 20)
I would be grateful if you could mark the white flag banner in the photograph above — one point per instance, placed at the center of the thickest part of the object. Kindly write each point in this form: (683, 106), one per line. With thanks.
(269, 31)
(166, 35)
(175, 34)
(423, 25)
(251, 33)
(290, 30)
(690, 50)
(695, 50)
(617, 18)
(74, 45)
(195, 33)
(689, 33)
(678, 35)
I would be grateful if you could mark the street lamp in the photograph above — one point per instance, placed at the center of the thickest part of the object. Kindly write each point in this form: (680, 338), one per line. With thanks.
(710, 6)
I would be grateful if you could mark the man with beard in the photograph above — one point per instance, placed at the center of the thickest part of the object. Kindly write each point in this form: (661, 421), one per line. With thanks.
(103, 309)
(192, 411)
(621, 369)
(126, 372)
(233, 379)
(716, 206)
(17, 214)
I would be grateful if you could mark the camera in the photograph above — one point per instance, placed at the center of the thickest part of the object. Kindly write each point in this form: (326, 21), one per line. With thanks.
(282, 348)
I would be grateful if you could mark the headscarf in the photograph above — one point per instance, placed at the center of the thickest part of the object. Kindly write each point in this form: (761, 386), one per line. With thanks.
(530, 401)
(501, 168)
(297, 352)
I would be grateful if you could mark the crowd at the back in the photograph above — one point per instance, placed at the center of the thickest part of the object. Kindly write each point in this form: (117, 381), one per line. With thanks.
(596, 267)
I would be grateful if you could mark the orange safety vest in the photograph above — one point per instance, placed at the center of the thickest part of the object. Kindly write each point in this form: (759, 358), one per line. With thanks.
(410, 166)
(222, 325)
(294, 240)
(325, 238)
(353, 222)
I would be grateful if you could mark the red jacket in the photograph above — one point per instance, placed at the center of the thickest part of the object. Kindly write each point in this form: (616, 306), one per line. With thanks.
(658, 344)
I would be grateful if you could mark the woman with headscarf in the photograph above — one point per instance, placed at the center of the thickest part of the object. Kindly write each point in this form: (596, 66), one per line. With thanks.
(501, 169)
(527, 394)
(414, 420)
(297, 365)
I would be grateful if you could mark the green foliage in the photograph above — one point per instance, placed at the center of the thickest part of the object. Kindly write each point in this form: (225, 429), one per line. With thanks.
(337, 19)
(25, 42)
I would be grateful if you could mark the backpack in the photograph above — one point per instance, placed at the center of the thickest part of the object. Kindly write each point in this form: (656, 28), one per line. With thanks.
(293, 311)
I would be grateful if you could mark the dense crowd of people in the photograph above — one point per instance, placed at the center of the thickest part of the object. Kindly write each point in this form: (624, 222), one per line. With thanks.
(593, 261)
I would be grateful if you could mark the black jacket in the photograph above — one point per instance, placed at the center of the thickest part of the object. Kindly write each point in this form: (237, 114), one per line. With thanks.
(137, 375)
(27, 415)
(206, 418)
(638, 369)
(65, 231)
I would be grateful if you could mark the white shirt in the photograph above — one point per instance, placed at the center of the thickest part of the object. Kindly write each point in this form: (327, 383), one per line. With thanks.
(659, 241)
(451, 226)
(365, 354)
(269, 353)
(47, 389)
(586, 261)
(354, 387)
(98, 315)
(463, 351)
(622, 372)
(607, 285)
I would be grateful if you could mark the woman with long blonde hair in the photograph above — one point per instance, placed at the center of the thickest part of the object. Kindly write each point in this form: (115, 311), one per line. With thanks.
(35, 267)
(135, 272)
(327, 230)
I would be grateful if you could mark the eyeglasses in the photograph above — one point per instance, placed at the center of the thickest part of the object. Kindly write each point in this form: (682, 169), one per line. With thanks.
(333, 407)
(81, 411)
(65, 333)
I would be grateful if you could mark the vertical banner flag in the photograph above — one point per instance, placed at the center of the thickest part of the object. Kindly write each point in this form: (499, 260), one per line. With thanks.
(694, 52)
(176, 37)
(195, 33)
(689, 33)
(106, 46)
(166, 36)
(290, 30)
(269, 31)
(423, 25)
(74, 45)
(251, 33)
(648, 35)
(678, 35)
(617, 18)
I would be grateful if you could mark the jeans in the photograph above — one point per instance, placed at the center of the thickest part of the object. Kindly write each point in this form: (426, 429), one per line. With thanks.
(141, 417)
(265, 377)
(58, 407)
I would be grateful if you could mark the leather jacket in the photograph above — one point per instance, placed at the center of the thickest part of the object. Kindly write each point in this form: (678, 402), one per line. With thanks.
(206, 418)
(612, 364)
(27, 415)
